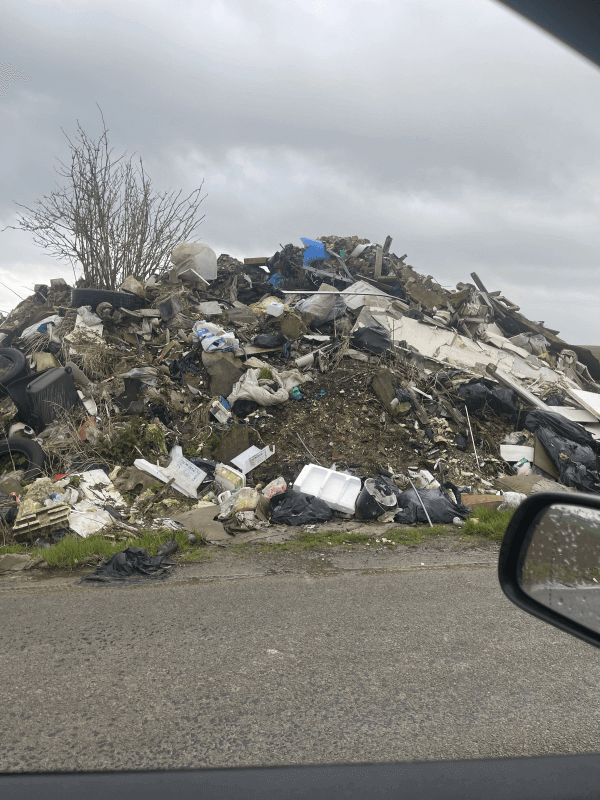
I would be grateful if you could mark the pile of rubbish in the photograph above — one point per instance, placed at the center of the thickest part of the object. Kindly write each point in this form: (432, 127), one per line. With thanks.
(329, 380)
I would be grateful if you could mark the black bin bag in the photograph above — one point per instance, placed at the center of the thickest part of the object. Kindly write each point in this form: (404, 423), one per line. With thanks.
(572, 449)
(480, 399)
(131, 564)
(440, 507)
(291, 508)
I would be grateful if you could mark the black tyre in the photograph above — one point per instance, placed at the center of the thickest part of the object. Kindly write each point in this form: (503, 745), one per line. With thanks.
(93, 298)
(15, 446)
(12, 366)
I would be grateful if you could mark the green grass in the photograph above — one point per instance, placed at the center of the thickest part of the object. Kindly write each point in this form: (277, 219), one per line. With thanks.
(71, 549)
(492, 524)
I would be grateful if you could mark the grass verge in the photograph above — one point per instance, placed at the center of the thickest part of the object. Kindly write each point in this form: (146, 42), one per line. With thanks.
(71, 551)
(485, 525)
(490, 525)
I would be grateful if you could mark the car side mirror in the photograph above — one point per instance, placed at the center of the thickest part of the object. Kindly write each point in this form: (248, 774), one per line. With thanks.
(549, 562)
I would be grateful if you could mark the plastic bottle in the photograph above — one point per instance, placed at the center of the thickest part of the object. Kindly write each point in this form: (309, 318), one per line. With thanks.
(168, 548)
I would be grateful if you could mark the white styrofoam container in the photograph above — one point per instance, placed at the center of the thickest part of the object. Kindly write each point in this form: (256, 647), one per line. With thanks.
(336, 489)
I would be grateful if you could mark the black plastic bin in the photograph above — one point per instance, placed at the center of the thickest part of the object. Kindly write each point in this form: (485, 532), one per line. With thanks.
(375, 498)
(51, 393)
(17, 391)
(40, 398)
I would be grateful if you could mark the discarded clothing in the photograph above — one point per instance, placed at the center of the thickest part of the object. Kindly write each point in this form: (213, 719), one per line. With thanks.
(577, 464)
(206, 466)
(179, 367)
(375, 339)
(371, 335)
(242, 408)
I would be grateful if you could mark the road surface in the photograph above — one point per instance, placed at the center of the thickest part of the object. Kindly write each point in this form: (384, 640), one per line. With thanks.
(288, 659)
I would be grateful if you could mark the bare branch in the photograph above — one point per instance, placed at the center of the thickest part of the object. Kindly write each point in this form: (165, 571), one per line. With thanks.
(105, 218)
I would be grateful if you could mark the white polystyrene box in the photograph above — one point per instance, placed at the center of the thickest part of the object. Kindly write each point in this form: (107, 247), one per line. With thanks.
(336, 489)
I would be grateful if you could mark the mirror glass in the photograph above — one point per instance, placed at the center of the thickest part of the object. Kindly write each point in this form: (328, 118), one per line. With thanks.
(560, 563)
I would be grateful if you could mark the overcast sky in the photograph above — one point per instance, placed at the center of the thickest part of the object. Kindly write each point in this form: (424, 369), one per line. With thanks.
(460, 129)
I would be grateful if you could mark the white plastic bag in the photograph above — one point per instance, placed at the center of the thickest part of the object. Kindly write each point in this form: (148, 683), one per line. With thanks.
(511, 500)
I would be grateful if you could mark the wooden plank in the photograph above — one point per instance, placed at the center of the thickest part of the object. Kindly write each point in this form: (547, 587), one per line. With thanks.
(454, 413)
(542, 460)
(593, 428)
(476, 501)
(387, 244)
(590, 401)
(510, 306)
(523, 393)
(419, 410)
(478, 282)
(495, 305)
(261, 261)
(575, 414)
(378, 261)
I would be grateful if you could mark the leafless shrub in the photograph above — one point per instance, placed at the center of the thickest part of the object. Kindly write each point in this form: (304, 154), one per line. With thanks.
(107, 220)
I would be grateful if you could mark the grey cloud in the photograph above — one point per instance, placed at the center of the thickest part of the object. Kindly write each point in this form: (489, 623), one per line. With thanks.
(458, 128)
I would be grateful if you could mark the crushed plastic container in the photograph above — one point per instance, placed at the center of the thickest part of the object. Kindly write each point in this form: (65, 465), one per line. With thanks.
(314, 250)
(336, 489)
(187, 477)
(276, 486)
(219, 411)
(245, 499)
(229, 478)
(275, 309)
(252, 457)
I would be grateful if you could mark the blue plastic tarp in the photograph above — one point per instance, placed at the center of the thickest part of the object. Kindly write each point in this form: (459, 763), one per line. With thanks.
(314, 250)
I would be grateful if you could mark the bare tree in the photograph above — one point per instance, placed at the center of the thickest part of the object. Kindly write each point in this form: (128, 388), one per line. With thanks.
(107, 220)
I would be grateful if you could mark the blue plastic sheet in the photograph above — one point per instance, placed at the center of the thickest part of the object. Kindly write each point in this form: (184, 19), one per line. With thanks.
(314, 250)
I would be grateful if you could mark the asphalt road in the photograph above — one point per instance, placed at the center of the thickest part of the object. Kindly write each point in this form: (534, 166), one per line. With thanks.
(288, 660)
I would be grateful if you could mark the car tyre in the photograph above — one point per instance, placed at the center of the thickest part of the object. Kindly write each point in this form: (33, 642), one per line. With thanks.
(17, 367)
(32, 451)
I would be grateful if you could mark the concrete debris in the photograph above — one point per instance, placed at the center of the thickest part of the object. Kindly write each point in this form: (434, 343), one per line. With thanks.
(333, 374)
